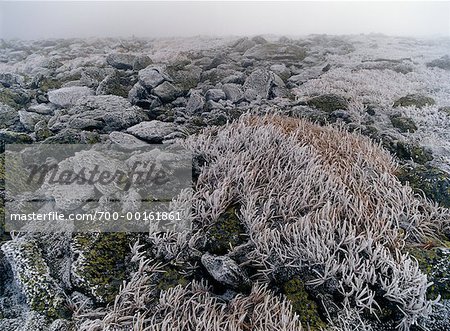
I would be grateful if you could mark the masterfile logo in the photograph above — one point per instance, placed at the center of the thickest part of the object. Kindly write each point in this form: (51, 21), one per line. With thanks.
(100, 187)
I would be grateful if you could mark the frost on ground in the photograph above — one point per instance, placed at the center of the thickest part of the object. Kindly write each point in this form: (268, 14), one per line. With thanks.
(321, 183)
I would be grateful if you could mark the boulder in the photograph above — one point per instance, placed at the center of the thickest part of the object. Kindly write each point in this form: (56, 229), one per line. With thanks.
(68, 96)
(151, 77)
(8, 116)
(258, 84)
(233, 92)
(215, 95)
(196, 103)
(167, 92)
(153, 132)
(103, 112)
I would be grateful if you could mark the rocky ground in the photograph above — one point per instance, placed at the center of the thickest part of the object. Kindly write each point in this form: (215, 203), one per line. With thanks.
(395, 91)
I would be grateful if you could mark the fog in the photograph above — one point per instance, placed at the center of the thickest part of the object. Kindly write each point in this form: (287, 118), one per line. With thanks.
(33, 20)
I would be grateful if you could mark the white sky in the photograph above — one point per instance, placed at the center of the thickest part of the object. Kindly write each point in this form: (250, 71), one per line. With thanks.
(37, 19)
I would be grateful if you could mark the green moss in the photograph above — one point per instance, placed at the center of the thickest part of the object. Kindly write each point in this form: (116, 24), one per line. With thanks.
(307, 309)
(416, 100)
(48, 84)
(435, 263)
(432, 181)
(170, 278)
(14, 99)
(404, 124)
(407, 151)
(225, 233)
(328, 102)
(101, 264)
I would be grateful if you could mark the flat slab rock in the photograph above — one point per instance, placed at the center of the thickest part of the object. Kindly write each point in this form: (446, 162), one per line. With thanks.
(68, 96)
(153, 131)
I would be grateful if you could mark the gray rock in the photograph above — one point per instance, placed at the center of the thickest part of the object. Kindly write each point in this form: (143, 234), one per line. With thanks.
(281, 70)
(153, 132)
(258, 84)
(116, 83)
(243, 45)
(103, 112)
(226, 271)
(123, 61)
(8, 79)
(68, 96)
(141, 62)
(29, 119)
(11, 137)
(215, 95)
(234, 79)
(41, 130)
(125, 140)
(185, 78)
(196, 103)
(233, 92)
(150, 78)
(276, 52)
(42, 108)
(167, 92)
(8, 116)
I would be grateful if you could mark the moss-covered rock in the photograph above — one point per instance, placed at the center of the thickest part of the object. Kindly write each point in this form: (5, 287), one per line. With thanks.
(11, 137)
(225, 233)
(42, 293)
(435, 263)
(409, 151)
(99, 265)
(432, 181)
(307, 309)
(16, 99)
(328, 102)
(417, 100)
(404, 124)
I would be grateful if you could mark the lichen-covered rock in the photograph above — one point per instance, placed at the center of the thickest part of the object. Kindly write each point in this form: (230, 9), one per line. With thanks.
(11, 137)
(404, 124)
(30, 269)
(416, 100)
(432, 181)
(116, 83)
(153, 132)
(15, 98)
(226, 271)
(68, 96)
(8, 116)
(29, 119)
(184, 76)
(328, 102)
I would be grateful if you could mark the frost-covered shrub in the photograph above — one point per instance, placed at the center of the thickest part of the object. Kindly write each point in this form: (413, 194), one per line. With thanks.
(311, 198)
